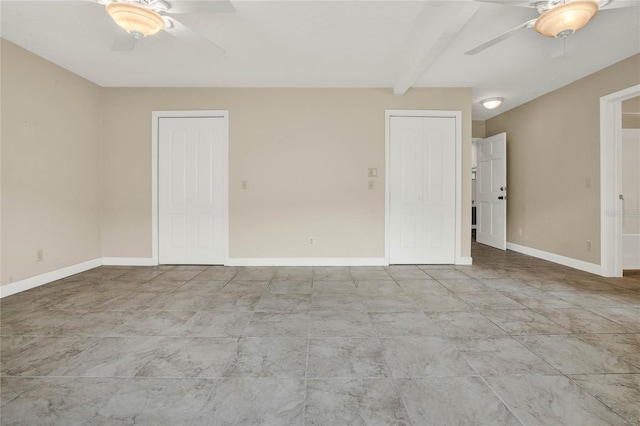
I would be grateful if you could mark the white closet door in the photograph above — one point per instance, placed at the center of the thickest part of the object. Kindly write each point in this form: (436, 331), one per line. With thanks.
(190, 190)
(422, 190)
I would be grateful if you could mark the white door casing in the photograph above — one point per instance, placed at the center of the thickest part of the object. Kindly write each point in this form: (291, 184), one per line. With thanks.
(191, 190)
(422, 190)
(491, 191)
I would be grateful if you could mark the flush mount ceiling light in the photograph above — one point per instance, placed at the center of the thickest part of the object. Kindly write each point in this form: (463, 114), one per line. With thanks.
(492, 103)
(563, 20)
(135, 19)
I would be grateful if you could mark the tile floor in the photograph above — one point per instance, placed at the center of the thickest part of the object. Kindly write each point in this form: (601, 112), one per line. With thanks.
(510, 340)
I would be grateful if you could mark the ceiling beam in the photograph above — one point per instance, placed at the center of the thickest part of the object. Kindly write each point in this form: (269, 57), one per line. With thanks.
(433, 50)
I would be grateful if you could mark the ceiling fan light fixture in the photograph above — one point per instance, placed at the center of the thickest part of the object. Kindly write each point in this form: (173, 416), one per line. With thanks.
(565, 19)
(492, 103)
(135, 19)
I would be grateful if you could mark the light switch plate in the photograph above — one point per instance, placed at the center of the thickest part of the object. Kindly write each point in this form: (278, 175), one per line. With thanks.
(373, 172)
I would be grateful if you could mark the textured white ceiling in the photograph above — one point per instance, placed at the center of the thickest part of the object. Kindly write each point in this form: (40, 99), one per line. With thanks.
(329, 44)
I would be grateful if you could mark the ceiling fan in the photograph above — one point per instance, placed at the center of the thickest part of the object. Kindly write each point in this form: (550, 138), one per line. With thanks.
(143, 18)
(558, 18)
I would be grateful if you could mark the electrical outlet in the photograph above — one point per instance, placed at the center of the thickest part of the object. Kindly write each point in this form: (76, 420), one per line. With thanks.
(244, 184)
(39, 255)
(371, 186)
(587, 182)
(588, 245)
(520, 231)
(312, 241)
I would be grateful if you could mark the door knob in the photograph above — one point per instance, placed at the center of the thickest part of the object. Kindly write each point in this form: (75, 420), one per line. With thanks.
(503, 188)
(501, 197)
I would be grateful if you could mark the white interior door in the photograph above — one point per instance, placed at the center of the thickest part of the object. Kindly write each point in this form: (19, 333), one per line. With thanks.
(191, 190)
(422, 190)
(491, 191)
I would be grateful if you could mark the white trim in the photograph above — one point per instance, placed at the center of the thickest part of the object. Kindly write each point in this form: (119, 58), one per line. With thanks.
(468, 261)
(46, 278)
(128, 261)
(611, 180)
(309, 261)
(155, 117)
(457, 115)
(556, 258)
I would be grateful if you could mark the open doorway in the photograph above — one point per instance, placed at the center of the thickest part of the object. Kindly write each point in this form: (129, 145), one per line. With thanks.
(631, 186)
(614, 212)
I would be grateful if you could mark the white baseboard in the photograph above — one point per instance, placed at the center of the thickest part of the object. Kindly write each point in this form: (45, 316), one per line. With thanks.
(464, 261)
(306, 261)
(38, 280)
(128, 261)
(556, 258)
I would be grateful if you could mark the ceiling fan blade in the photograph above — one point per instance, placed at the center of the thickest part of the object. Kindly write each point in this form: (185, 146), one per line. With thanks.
(500, 38)
(200, 6)
(617, 4)
(519, 3)
(124, 43)
(184, 33)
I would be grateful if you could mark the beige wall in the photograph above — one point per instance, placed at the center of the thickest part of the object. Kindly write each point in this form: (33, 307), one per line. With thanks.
(478, 129)
(303, 152)
(553, 147)
(50, 179)
(631, 113)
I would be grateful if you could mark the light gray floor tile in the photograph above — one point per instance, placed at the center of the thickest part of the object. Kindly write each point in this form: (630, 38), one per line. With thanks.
(626, 346)
(346, 357)
(153, 323)
(523, 321)
(279, 286)
(424, 357)
(294, 273)
(408, 274)
(378, 288)
(464, 285)
(284, 302)
(246, 286)
(277, 357)
(620, 392)
(216, 324)
(571, 355)
(462, 323)
(389, 303)
(492, 356)
(110, 357)
(331, 274)
(551, 400)
(229, 301)
(447, 274)
(578, 320)
(334, 287)
(154, 401)
(255, 274)
(354, 401)
(337, 302)
(39, 356)
(453, 400)
(422, 287)
(489, 300)
(627, 317)
(439, 302)
(278, 324)
(251, 401)
(58, 400)
(201, 357)
(415, 323)
(340, 324)
(369, 275)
